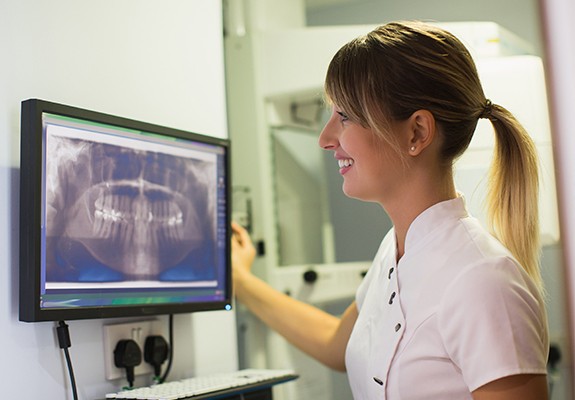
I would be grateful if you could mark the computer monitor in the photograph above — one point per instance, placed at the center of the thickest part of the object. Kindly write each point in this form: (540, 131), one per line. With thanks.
(120, 217)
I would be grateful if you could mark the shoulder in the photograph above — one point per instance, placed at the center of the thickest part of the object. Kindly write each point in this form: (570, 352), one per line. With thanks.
(492, 321)
(489, 280)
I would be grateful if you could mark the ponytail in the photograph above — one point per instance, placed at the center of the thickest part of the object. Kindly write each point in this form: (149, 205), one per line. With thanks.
(513, 190)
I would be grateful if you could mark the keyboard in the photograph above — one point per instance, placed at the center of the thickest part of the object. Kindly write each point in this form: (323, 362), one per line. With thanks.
(189, 388)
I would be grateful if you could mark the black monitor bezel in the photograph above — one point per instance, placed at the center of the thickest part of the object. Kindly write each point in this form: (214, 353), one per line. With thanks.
(31, 207)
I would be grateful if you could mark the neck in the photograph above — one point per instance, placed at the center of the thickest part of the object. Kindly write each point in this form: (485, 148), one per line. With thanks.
(417, 196)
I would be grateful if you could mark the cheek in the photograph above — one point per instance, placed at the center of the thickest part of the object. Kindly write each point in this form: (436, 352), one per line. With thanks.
(383, 164)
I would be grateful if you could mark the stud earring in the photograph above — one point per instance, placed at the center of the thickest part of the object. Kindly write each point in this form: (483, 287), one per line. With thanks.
(412, 148)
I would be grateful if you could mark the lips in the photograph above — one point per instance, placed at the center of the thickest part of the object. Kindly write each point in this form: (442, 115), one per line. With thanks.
(344, 164)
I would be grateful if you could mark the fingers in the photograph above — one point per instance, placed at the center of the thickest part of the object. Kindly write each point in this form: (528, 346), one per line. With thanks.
(243, 251)
(240, 235)
(237, 228)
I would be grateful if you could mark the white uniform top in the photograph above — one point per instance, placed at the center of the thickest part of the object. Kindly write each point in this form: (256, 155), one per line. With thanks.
(455, 313)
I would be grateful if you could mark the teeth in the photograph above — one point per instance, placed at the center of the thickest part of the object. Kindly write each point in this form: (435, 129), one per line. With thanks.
(142, 227)
(113, 212)
(345, 163)
(107, 214)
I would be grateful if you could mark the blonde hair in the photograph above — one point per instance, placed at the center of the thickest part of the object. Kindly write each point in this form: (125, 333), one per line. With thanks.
(401, 67)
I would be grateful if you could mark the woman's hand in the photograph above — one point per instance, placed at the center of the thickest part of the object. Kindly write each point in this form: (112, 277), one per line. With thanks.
(243, 252)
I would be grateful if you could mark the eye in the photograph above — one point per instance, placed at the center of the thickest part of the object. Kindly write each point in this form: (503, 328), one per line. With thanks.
(343, 116)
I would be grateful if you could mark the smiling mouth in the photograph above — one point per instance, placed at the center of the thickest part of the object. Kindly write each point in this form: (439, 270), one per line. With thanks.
(348, 162)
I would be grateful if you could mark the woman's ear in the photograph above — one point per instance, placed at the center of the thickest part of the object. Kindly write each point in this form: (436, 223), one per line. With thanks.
(422, 130)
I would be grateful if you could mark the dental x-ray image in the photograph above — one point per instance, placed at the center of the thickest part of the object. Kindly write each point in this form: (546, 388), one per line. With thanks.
(118, 213)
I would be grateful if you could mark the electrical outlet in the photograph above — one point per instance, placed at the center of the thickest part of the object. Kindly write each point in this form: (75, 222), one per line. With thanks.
(137, 331)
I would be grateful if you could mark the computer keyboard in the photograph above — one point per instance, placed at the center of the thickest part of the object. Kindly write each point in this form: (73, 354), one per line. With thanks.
(202, 385)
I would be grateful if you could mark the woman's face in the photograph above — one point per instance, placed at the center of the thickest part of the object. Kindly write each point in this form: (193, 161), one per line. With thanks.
(370, 168)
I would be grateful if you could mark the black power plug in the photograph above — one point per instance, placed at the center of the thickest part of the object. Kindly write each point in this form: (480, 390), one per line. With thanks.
(156, 351)
(128, 355)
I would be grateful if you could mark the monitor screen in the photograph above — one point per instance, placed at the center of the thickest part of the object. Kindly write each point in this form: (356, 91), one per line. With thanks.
(120, 217)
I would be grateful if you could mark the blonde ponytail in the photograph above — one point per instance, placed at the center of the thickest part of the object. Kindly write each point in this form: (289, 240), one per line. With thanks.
(513, 194)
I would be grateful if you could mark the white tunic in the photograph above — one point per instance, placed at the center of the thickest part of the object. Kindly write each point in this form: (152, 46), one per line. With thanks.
(455, 313)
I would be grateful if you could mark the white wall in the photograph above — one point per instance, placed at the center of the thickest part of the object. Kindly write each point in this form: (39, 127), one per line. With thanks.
(160, 62)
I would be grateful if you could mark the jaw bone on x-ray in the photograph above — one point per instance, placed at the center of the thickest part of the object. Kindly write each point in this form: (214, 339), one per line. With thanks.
(119, 214)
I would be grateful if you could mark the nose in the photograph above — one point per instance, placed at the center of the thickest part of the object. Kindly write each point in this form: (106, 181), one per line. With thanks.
(328, 136)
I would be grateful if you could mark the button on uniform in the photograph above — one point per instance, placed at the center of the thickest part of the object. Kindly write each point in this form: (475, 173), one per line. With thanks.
(380, 312)
(392, 296)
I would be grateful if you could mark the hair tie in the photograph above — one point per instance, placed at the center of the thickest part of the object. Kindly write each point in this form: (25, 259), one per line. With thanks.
(487, 109)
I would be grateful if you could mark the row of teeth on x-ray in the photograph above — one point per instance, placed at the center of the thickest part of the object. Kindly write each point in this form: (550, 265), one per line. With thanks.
(116, 217)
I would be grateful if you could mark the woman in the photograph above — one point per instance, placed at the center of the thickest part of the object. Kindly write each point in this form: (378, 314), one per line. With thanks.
(447, 310)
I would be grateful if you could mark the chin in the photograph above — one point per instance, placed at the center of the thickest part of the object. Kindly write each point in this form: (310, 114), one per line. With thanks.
(358, 194)
(353, 194)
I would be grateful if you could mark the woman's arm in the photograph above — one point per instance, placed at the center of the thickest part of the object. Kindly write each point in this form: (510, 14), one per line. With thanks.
(515, 387)
(317, 333)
